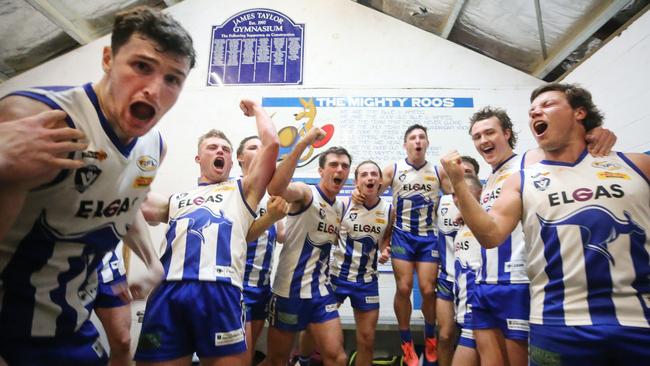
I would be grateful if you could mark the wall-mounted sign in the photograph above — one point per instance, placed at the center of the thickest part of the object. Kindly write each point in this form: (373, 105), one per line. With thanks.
(256, 46)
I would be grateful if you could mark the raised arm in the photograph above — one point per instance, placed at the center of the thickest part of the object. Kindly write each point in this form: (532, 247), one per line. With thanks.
(490, 229)
(445, 183)
(263, 165)
(279, 185)
(277, 209)
(155, 208)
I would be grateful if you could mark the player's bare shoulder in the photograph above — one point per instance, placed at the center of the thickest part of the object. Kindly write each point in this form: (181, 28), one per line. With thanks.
(15, 107)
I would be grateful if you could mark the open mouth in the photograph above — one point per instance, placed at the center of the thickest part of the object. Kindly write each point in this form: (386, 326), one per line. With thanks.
(418, 149)
(219, 163)
(142, 111)
(338, 181)
(540, 127)
(488, 149)
(370, 185)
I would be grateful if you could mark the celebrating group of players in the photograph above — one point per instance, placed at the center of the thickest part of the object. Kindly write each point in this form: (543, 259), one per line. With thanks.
(547, 263)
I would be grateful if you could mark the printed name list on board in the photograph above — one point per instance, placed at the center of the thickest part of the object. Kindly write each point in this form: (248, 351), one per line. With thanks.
(257, 46)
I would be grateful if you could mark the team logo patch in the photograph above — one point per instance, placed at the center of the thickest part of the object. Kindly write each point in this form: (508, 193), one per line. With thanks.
(142, 182)
(85, 177)
(287, 318)
(611, 175)
(181, 195)
(353, 216)
(149, 341)
(542, 183)
(100, 155)
(607, 165)
(330, 308)
(321, 213)
(226, 338)
(444, 210)
(402, 177)
(543, 357)
(147, 163)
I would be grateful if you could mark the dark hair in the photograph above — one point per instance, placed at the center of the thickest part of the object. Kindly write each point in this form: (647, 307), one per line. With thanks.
(356, 170)
(501, 115)
(415, 127)
(578, 97)
(155, 25)
(471, 161)
(336, 150)
(213, 133)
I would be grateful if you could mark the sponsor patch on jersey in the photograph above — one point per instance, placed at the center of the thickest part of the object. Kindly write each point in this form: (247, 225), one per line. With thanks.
(431, 178)
(543, 357)
(434, 253)
(223, 271)
(97, 347)
(467, 234)
(380, 213)
(502, 177)
(514, 266)
(222, 188)
(380, 221)
(611, 175)
(226, 338)
(330, 308)
(321, 213)
(607, 165)
(372, 299)
(147, 163)
(100, 155)
(287, 318)
(149, 341)
(142, 182)
(518, 324)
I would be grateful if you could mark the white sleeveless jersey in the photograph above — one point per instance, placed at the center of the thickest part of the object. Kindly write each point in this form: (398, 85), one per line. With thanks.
(260, 253)
(363, 228)
(415, 197)
(506, 263)
(112, 266)
(588, 227)
(303, 264)
(49, 258)
(447, 228)
(467, 256)
(206, 238)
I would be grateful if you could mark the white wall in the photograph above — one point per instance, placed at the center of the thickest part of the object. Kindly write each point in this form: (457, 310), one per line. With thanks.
(618, 76)
(347, 46)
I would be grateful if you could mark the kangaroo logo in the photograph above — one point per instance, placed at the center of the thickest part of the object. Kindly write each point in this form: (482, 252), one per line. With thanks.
(598, 228)
(85, 177)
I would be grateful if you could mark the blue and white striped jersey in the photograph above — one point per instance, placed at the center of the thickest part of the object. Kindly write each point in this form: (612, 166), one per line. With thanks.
(587, 226)
(467, 254)
(447, 228)
(260, 253)
(506, 263)
(363, 228)
(112, 266)
(49, 258)
(206, 238)
(415, 197)
(303, 265)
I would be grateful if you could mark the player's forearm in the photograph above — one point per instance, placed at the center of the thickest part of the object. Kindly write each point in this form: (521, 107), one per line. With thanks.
(265, 127)
(138, 239)
(258, 227)
(284, 171)
(483, 225)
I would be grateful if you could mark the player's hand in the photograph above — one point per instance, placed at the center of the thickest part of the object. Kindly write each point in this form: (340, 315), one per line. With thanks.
(358, 197)
(385, 255)
(139, 288)
(451, 163)
(249, 107)
(33, 147)
(314, 134)
(600, 141)
(277, 208)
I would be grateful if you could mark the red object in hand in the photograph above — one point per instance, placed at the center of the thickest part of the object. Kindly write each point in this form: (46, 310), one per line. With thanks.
(329, 132)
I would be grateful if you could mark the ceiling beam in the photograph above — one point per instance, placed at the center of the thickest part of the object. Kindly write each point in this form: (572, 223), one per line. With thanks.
(3, 76)
(172, 2)
(540, 29)
(452, 18)
(82, 36)
(587, 26)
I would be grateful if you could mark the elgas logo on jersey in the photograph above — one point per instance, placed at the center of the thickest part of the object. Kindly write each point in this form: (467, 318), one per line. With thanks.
(418, 187)
(198, 201)
(585, 194)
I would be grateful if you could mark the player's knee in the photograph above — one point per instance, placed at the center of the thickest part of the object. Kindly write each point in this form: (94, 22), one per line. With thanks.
(121, 344)
(404, 289)
(427, 291)
(365, 340)
(446, 335)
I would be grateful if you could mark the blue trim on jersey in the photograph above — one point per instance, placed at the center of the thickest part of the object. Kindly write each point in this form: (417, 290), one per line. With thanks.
(323, 257)
(633, 166)
(522, 163)
(521, 185)
(162, 145)
(243, 198)
(108, 129)
(394, 171)
(305, 254)
(251, 249)
(413, 166)
(502, 163)
(435, 168)
(55, 88)
(302, 209)
(368, 208)
(554, 289)
(331, 202)
(561, 163)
